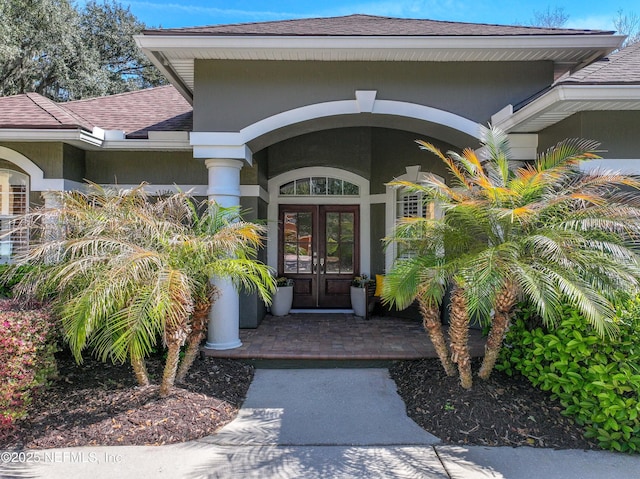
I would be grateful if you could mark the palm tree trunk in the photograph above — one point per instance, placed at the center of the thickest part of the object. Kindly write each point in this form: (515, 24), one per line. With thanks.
(459, 337)
(199, 321)
(170, 367)
(140, 370)
(431, 322)
(505, 301)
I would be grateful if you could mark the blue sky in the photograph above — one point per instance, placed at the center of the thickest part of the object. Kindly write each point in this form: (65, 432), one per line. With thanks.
(596, 14)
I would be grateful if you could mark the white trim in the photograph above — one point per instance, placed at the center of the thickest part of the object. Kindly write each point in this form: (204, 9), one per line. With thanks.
(563, 101)
(154, 190)
(427, 113)
(218, 144)
(24, 163)
(227, 150)
(208, 44)
(164, 144)
(366, 99)
(26, 134)
(36, 176)
(247, 191)
(96, 140)
(363, 200)
(522, 146)
(252, 191)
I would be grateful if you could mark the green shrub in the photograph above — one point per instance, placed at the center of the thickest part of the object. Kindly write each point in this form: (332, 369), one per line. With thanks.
(7, 283)
(596, 380)
(27, 347)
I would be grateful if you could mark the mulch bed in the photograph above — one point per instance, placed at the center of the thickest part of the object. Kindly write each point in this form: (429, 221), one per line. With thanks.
(100, 404)
(502, 411)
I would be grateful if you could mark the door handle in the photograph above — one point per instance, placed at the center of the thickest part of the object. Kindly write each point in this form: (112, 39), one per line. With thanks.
(315, 263)
(321, 265)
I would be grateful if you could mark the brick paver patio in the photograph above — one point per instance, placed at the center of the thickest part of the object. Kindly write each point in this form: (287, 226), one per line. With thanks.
(337, 337)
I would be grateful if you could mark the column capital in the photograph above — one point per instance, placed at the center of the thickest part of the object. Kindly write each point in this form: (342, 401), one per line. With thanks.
(223, 163)
(236, 152)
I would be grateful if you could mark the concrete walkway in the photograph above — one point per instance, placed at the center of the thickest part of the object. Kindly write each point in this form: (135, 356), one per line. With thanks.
(330, 423)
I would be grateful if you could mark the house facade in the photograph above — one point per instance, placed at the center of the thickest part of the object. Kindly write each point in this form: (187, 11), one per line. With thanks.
(304, 122)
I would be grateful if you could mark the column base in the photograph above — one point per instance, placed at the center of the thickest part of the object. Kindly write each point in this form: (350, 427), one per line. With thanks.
(223, 346)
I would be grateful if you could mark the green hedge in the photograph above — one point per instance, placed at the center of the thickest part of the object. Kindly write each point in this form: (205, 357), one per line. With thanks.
(7, 285)
(596, 380)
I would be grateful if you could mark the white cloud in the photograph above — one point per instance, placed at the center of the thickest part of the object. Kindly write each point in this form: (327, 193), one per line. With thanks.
(592, 22)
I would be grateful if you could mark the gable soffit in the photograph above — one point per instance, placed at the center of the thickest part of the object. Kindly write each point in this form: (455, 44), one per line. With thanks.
(175, 53)
(562, 101)
(611, 84)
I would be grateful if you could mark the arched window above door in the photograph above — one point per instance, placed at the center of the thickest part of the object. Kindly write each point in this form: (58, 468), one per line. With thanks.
(319, 186)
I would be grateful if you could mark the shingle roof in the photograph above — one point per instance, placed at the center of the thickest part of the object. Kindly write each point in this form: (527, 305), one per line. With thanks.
(32, 110)
(367, 25)
(136, 113)
(622, 67)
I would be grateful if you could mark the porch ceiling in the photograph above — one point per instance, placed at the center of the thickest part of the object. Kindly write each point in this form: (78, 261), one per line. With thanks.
(175, 54)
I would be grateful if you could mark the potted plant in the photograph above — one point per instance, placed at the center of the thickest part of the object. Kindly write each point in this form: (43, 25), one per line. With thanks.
(359, 289)
(283, 297)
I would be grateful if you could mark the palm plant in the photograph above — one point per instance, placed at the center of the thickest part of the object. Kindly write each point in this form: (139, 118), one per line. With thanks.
(545, 232)
(123, 270)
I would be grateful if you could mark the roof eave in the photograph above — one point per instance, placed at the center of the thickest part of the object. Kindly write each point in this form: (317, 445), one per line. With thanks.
(77, 136)
(166, 51)
(562, 101)
(158, 141)
(266, 42)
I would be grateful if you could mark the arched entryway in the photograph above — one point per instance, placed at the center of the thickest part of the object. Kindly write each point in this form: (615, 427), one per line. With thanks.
(319, 233)
(314, 162)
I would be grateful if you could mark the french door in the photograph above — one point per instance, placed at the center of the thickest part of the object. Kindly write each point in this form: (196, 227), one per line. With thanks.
(319, 247)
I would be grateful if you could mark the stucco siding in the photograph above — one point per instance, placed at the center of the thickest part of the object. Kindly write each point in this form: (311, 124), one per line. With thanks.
(46, 155)
(617, 131)
(230, 95)
(346, 148)
(74, 163)
(393, 150)
(132, 167)
(377, 154)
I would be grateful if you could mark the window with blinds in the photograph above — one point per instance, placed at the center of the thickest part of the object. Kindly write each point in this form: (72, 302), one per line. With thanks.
(411, 205)
(14, 200)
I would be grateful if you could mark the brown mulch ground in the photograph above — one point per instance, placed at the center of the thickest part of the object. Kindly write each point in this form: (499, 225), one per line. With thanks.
(100, 404)
(502, 411)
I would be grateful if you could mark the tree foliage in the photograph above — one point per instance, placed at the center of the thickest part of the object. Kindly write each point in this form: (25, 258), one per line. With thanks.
(546, 231)
(66, 53)
(550, 18)
(123, 270)
(624, 23)
(627, 24)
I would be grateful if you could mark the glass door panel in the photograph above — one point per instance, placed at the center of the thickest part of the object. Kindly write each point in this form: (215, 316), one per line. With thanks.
(319, 249)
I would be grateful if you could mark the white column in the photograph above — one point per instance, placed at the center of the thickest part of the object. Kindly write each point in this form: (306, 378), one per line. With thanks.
(224, 316)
